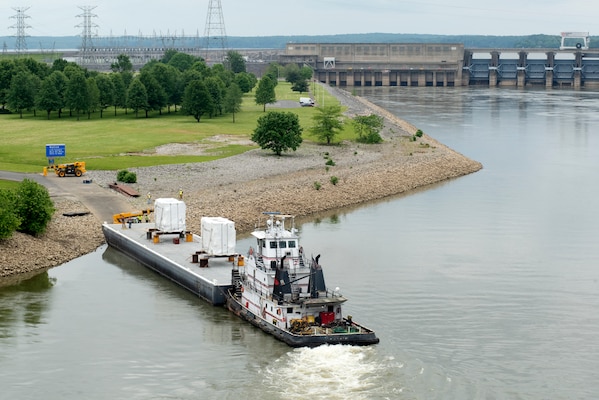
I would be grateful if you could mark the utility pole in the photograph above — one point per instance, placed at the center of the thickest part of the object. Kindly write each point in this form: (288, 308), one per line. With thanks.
(21, 43)
(87, 45)
(215, 31)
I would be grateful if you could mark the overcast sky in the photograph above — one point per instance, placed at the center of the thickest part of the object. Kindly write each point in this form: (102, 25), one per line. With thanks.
(308, 17)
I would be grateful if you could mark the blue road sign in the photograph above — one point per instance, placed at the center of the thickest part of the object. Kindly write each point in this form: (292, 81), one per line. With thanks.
(55, 150)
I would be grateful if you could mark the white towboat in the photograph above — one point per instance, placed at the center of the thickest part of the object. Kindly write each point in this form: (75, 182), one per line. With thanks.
(278, 290)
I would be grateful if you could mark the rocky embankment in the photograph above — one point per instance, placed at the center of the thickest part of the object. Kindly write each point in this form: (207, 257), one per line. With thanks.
(242, 187)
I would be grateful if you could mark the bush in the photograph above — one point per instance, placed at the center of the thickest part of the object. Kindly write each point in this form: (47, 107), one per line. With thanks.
(33, 207)
(9, 221)
(370, 138)
(330, 162)
(334, 180)
(130, 177)
(317, 185)
(126, 176)
(418, 133)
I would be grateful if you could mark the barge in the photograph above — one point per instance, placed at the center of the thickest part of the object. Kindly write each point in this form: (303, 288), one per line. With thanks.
(199, 263)
(275, 287)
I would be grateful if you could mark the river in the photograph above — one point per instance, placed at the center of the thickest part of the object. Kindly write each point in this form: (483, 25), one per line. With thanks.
(482, 287)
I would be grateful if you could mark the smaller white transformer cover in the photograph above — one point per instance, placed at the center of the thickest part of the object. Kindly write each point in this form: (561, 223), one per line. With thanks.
(218, 236)
(169, 214)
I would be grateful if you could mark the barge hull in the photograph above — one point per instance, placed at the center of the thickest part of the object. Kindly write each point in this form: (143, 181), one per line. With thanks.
(213, 293)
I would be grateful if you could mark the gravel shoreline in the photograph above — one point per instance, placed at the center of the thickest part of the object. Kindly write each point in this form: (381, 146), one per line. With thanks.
(243, 186)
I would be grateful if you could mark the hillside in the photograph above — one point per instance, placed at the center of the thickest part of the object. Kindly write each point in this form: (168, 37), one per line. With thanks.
(49, 43)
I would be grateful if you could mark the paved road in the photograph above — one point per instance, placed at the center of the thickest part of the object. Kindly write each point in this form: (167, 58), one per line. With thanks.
(103, 203)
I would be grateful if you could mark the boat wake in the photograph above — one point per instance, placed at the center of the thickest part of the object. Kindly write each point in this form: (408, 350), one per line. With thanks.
(328, 371)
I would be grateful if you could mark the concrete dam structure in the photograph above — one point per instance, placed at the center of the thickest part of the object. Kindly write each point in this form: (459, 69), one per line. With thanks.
(444, 64)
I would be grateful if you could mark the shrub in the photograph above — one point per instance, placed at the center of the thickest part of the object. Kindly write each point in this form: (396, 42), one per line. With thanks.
(34, 207)
(317, 185)
(334, 180)
(126, 176)
(330, 162)
(130, 177)
(418, 133)
(9, 221)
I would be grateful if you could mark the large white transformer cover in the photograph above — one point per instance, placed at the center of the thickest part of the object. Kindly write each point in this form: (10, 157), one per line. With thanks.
(218, 236)
(169, 215)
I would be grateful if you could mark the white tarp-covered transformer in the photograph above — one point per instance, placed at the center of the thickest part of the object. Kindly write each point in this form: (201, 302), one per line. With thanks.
(218, 236)
(169, 215)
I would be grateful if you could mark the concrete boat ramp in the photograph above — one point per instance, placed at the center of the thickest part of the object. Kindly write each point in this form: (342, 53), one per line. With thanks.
(177, 256)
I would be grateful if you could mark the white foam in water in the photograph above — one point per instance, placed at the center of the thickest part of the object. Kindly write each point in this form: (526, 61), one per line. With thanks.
(332, 372)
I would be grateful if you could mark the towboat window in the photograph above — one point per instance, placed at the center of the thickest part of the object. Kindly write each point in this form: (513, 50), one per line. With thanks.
(273, 245)
(282, 244)
(289, 310)
(292, 244)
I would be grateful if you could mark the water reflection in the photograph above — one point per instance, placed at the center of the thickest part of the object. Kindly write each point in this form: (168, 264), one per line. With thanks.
(25, 302)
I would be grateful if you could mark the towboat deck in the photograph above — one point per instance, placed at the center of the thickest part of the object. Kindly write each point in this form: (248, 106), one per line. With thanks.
(177, 258)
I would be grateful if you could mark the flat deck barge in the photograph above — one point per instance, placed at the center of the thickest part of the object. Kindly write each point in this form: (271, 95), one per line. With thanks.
(179, 259)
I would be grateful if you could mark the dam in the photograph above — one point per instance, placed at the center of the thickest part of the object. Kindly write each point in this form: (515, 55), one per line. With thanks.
(444, 64)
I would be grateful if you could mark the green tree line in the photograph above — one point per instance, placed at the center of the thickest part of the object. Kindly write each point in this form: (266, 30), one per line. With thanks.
(178, 80)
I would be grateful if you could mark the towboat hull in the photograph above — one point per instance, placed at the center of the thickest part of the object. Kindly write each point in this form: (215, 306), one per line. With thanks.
(365, 337)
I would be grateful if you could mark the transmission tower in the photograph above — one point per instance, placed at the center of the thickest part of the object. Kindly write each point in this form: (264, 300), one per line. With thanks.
(87, 45)
(21, 44)
(215, 36)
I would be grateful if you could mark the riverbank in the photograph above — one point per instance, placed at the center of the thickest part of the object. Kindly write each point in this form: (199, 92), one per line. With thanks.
(242, 187)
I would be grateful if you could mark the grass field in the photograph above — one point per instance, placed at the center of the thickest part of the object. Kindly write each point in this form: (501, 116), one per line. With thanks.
(123, 141)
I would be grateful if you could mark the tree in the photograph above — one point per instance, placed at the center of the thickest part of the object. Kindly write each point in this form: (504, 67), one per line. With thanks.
(77, 93)
(93, 94)
(21, 94)
(137, 96)
(181, 61)
(233, 99)
(122, 64)
(265, 94)
(274, 71)
(245, 81)
(235, 62)
(120, 92)
(7, 71)
(368, 127)
(292, 73)
(300, 86)
(156, 94)
(216, 88)
(278, 131)
(33, 207)
(9, 220)
(328, 123)
(168, 77)
(48, 98)
(60, 81)
(196, 100)
(106, 88)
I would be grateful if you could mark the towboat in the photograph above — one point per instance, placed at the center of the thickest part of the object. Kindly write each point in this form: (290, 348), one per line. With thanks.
(278, 289)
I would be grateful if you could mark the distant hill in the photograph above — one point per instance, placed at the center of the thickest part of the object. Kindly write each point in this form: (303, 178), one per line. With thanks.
(48, 43)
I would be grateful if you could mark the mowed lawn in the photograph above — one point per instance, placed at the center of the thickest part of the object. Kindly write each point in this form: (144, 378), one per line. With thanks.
(122, 141)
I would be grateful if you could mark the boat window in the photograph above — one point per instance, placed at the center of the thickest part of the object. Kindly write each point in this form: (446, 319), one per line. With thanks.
(282, 244)
(273, 245)
(289, 310)
(292, 244)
